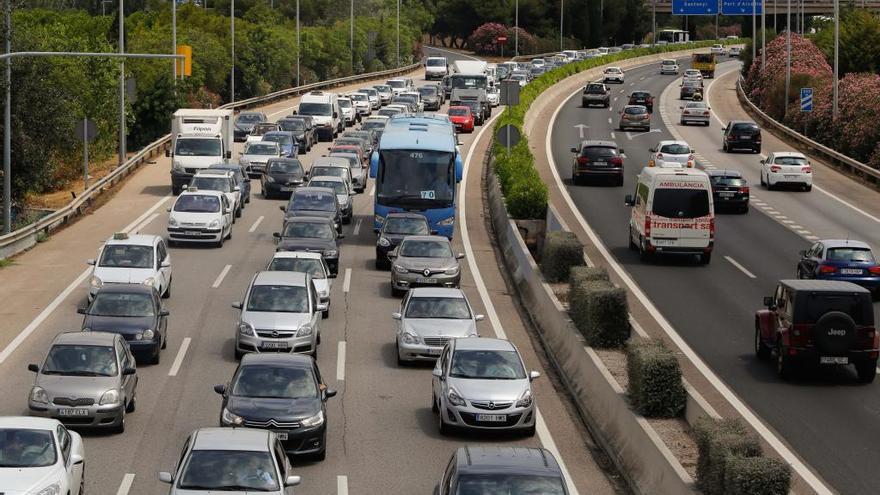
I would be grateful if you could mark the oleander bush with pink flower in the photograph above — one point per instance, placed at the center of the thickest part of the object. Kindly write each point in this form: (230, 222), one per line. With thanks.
(483, 40)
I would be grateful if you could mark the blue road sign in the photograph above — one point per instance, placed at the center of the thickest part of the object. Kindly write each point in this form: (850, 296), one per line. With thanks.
(694, 7)
(741, 7)
(806, 99)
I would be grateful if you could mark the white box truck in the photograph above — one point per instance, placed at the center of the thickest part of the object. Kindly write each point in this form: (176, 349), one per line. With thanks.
(470, 82)
(199, 138)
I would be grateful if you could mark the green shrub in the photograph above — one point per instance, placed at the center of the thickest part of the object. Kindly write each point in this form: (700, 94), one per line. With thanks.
(756, 476)
(580, 274)
(655, 386)
(599, 311)
(562, 251)
(718, 441)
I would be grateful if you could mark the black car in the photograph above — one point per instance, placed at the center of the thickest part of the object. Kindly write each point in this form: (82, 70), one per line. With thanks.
(135, 312)
(496, 469)
(303, 129)
(597, 159)
(729, 189)
(643, 98)
(430, 97)
(366, 134)
(396, 227)
(241, 178)
(314, 202)
(283, 393)
(689, 89)
(315, 234)
(741, 134)
(245, 122)
(282, 177)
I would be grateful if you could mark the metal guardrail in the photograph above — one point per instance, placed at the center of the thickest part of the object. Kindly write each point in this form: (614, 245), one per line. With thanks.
(836, 159)
(25, 237)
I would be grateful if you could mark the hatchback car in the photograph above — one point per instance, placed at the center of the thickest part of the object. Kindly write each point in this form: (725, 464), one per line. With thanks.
(343, 194)
(245, 122)
(240, 176)
(365, 134)
(200, 216)
(396, 227)
(428, 318)
(286, 140)
(691, 89)
(313, 234)
(132, 259)
(280, 313)
(88, 379)
(613, 74)
(132, 311)
(361, 102)
(481, 383)
(642, 97)
(233, 461)
(787, 168)
(421, 261)
(634, 117)
(283, 393)
(495, 469)
(256, 154)
(693, 74)
(282, 177)
(670, 153)
(461, 118)
(597, 159)
(308, 262)
(347, 111)
(221, 181)
(314, 202)
(596, 93)
(40, 456)
(669, 67)
(729, 190)
(695, 111)
(375, 101)
(303, 129)
(431, 98)
(742, 134)
(340, 166)
(841, 259)
(384, 93)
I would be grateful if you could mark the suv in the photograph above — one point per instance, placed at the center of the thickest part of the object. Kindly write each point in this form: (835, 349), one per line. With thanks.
(596, 94)
(597, 159)
(742, 134)
(820, 322)
(476, 469)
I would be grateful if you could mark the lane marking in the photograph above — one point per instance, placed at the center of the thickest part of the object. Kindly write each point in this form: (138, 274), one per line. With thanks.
(357, 227)
(346, 282)
(280, 111)
(373, 190)
(788, 222)
(613, 136)
(145, 223)
(125, 486)
(812, 237)
(342, 485)
(220, 277)
(138, 220)
(340, 361)
(178, 360)
(741, 268)
(609, 120)
(256, 224)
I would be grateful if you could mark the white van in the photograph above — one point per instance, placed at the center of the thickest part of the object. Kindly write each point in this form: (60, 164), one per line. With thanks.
(324, 109)
(672, 213)
(436, 67)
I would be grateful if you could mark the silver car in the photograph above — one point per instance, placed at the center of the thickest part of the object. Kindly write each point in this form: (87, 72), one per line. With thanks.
(695, 111)
(280, 313)
(307, 262)
(428, 318)
(481, 383)
(424, 260)
(343, 193)
(89, 379)
(256, 154)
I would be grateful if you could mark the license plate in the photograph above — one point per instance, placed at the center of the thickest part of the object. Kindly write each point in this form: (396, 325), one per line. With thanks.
(726, 194)
(274, 345)
(600, 164)
(662, 242)
(492, 418)
(426, 281)
(282, 435)
(287, 189)
(73, 412)
(833, 360)
(850, 271)
(790, 176)
(434, 351)
(192, 233)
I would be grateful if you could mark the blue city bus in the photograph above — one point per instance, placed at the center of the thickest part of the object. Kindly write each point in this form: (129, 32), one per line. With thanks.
(417, 166)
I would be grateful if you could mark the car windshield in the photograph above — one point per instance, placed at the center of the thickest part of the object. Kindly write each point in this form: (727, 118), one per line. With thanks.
(407, 226)
(849, 254)
(396, 84)
(263, 128)
(668, 62)
(790, 160)
(197, 203)
(359, 97)
(26, 448)
(675, 149)
(211, 183)
(126, 256)
(337, 186)
(506, 484)
(383, 88)
(309, 230)
(389, 112)
(375, 124)
(813, 306)
(459, 112)
(278, 138)
(278, 299)
(681, 203)
(338, 171)
(697, 105)
(286, 167)
(427, 91)
(425, 249)
(416, 178)
(486, 365)
(640, 95)
(80, 360)
(728, 181)
(229, 470)
(122, 305)
(435, 62)
(351, 141)
(635, 110)
(197, 147)
(250, 118)
(311, 266)
(292, 125)
(313, 201)
(261, 149)
(753, 128)
(320, 109)
(453, 308)
(595, 88)
(344, 103)
(274, 382)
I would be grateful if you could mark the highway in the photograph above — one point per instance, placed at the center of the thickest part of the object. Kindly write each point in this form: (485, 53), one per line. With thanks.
(382, 436)
(828, 419)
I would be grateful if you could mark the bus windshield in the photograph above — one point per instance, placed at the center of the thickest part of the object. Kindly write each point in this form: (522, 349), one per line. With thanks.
(464, 81)
(408, 178)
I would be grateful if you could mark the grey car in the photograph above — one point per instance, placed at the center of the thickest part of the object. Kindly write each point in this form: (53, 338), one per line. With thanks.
(343, 194)
(431, 98)
(424, 260)
(280, 313)
(245, 122)
(256, 154)
(481, 383)
(89, 379)
(634, 117)
(356, 169)
(475, 468)
(429, 317)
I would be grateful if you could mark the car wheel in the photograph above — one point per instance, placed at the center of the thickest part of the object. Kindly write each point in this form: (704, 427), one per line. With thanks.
(238, 354)
(632, 244)
(784, 363)
(314, 353)
(82, 481)
(644, 255)
(705, 258)
(866, 370)
(167, 293)
(238, 212)
(443, 427)
(229, 235)
(434, 408)
(320, 456)
(165, 340)
(724, 148)
(325, 315)
(763, 183)
(219, 243)
(762, 352)
(400, 362)
(681, 122)
(396, 292)
(175, 190)
(381, 264)
(120, 428)
(808, 188)
(132, 404)
(156, 357)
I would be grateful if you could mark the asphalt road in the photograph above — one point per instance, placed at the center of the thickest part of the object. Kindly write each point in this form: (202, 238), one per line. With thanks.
(382, 436)
(830, 421)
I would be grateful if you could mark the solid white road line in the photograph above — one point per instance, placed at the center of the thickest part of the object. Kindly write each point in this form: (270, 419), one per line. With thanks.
(125, 486)
(145, 223)
(342, 485)
(284, 110)
(357, 227)
(256, 224)
(613, 136)
(138, 220)
(220, 277)
(540, 427)
(178, 360)
(373, 190)
(340, 361)
(346, 282)
(450, 51)
(609, 120)
(775, 443)
(741, 268)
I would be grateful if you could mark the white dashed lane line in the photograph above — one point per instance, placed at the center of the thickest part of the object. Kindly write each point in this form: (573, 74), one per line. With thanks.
(741, 268)
(125, 486)
(219, 279)
(357, 227)
(340, 362)
(178, 360)
(342, 485)
(256, 224)
(346, 282)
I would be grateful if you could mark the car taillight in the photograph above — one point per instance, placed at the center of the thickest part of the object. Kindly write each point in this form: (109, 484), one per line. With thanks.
(706, 112)
(712, 228)
(807, 170)
(874, 270)
(827, 269)
(583, 160)
(616, 161)
(775, 168)
(744, 190)
(647, 226)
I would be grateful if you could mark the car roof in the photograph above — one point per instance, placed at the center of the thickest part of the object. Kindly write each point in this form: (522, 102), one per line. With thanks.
(823, 286)
(330, 161)
(794, 154)
(213, 171)
(598, 142)
(283, 159)
(134, 240)
(312, 189)
(215, 438)
(280, 278)
(521, 460)
(297, 254)
(426, 238)
(127, 289)
(672, 141)
(327, 178)
(483, 344)
(28, 422)
(723, 173)
(202, 192)
(835, 243)
(277, 359)
(85, 338)
(405, 214)
(636, 106)
(277, 133)
(743, 122)
(306, 219)
(436, 292)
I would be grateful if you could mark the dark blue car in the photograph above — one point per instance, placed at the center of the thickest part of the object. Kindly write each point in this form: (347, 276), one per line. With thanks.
(842, 260)
(286, 140)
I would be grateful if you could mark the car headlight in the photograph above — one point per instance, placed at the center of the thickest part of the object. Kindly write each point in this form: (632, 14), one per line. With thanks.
(304, 331)
(109, 397)
(331, 253)
(383, 241)
(172, 222)
(410, 338)
(53, 489)
(148, 334)
(400, 269)
(316, 420)
(177, 167)
(39, 395)
(269, 178)
(379, 219)
(452, 271)
(246, 329)
(214, 224)
(455, 398)
(149, 281)
(96, 282)
(447, 222)
(525, 400)
(230, 419)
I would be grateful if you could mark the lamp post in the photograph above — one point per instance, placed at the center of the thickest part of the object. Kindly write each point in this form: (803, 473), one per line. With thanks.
(351, 37)
(398, 33)
(516, 29)
(834, 109)
(232, 40)
(298, 46)
(788, 55)
(654, 23)
(174, 34)
(754, 38)
(7, 126)
(763, 38)
(122, 133)
(561, 17)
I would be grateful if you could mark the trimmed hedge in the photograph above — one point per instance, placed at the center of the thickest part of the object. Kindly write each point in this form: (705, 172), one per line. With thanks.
(718, 442)
(599, 311)
(580, 274)
(655, 386)
(756, 476)
(562, 251)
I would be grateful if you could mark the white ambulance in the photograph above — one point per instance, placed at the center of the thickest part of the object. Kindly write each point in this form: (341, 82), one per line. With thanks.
(672, 213)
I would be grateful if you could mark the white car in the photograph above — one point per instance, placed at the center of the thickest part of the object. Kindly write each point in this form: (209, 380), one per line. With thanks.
(222, 181)
(40, 456)
(397, 86)
(669, 67)
(493, 96)
(672, 154)
(692, 74)
(417, 96)
(306, 262)
(200, 216)
(132, 259)
(362, 103)
(787, 168)
(717, 49)
(735, 51)
(613, 74)
(428, 318)
(349, 115)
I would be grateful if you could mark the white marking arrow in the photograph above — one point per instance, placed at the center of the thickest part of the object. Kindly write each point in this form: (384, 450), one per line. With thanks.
(581, 128)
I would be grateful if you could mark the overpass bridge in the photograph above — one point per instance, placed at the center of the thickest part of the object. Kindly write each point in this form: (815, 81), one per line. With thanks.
(808, 7)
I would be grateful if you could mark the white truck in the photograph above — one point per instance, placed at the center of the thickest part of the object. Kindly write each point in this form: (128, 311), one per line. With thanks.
(470, 82)
(199, 138)
(324, 109)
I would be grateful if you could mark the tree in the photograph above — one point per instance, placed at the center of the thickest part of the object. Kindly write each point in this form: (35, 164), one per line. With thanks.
(859, 41)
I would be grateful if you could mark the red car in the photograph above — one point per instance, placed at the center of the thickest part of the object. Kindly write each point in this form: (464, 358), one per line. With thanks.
(461, 118)
(349, 149)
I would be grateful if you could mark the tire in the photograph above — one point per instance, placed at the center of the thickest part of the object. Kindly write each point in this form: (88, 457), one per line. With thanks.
(705, 258)
(238, 354)
(443, 427)
(121, 427)
(82, 481)
(165, 340)
(762, 352)
(229, 235)
(167, 293)
(314, 353)
(156, 358)
(808, 188)
(238, 212)
(434, 408)
(762, 180)
(175, 190)
(834, 334)
(681, 122)
(644, 255)
(866, 370)
(784, 364)
(396, 292)
(325, 314)
(632, 245)
(400, 362)
(381, 264)
(132, 405)
(219, 244)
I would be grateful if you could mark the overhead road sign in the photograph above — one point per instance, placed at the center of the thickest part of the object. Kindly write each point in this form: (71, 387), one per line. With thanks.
(695, 7)
(741, 7)
(806, 99)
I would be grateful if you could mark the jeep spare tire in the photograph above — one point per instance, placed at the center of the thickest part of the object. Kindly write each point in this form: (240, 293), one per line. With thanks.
(834, 333)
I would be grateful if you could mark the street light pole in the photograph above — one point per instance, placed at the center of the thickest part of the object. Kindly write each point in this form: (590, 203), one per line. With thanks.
(122, 133)
(298, 45)
(351, 37)
(7, 128)
(561, 17)
(763, 38)
(834, 109)
(754, 38)
(516, 29)
(654, 23)
(232, 40)
(398, 33)
(174, 34)
(788, 55)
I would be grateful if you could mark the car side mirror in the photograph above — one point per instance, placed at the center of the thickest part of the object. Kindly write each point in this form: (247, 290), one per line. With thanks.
(769, 302)
(236, 188)
(762, 161)
(329, 393)
(128, 371)
(681, 108)
(76, 459)
(292, 480)
(228, 154)
(320, 308)
(574, 149)
(166, 477)
(83, 309)
(237, 305)
(164, 312)
(392, 255)
(220, 389)
(168, 209)
(90, 262)
(282, 208)
(652, 150)
(534, 375)
(396, 316)
(479, 317)
(437, 372)
(459, 256)
(165, 264)
(629, 201)
(34, 367)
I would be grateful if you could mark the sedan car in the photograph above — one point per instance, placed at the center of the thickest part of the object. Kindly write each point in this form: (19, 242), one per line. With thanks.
(430, 97)
(597, 159)
(286, 140)
(200, 216)
(384, 93)
(364, 134)
(729, 189)
(282, 177)
(844, 260)
(343, 194)
(221, 181)
(283, 393)
(280, 313)
(396, 227)
(314, 202)
(424, 261)
(256, 154)
(347, 111)
(132, 259)
(485, 469)
(303, 130)
(89, 379)
(695, 111)
(40, 456)
(234, 461)
(693, 74)
(428, 318)
(311, 234)
(614, 74)
(642, 97)
(691, 89)
(245, 122)
(481, 383)
(787, 168)
(240, 176)
(133, 311)
(674, 154)
(310, 263)
(634, 117)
